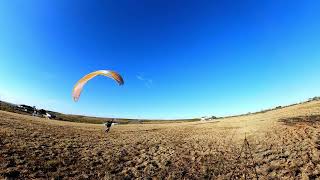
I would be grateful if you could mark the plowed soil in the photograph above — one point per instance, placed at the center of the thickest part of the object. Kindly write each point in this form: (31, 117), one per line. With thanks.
(283, 144)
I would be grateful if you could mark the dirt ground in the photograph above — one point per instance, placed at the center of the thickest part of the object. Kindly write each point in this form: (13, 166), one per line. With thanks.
(283, 144)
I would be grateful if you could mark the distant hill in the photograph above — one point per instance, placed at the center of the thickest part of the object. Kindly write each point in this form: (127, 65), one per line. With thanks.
(6, 106)
(9, 107)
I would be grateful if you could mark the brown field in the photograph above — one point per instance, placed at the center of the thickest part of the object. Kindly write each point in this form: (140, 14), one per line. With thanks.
(284, 143)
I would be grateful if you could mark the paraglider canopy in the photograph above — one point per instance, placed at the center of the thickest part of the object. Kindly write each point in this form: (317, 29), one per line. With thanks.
(76, 92)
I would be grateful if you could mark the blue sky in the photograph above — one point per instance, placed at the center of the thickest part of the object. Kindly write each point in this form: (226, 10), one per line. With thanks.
(179, 59)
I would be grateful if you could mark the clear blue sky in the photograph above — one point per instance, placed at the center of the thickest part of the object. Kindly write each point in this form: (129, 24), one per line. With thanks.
(179, 59)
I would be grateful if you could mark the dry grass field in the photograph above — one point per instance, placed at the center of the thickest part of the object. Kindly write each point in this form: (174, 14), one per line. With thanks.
(284, 143)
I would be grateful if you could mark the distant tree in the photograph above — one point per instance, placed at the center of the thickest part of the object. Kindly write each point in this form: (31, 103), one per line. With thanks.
(316, 98)
(53, 116)
(42, 111)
